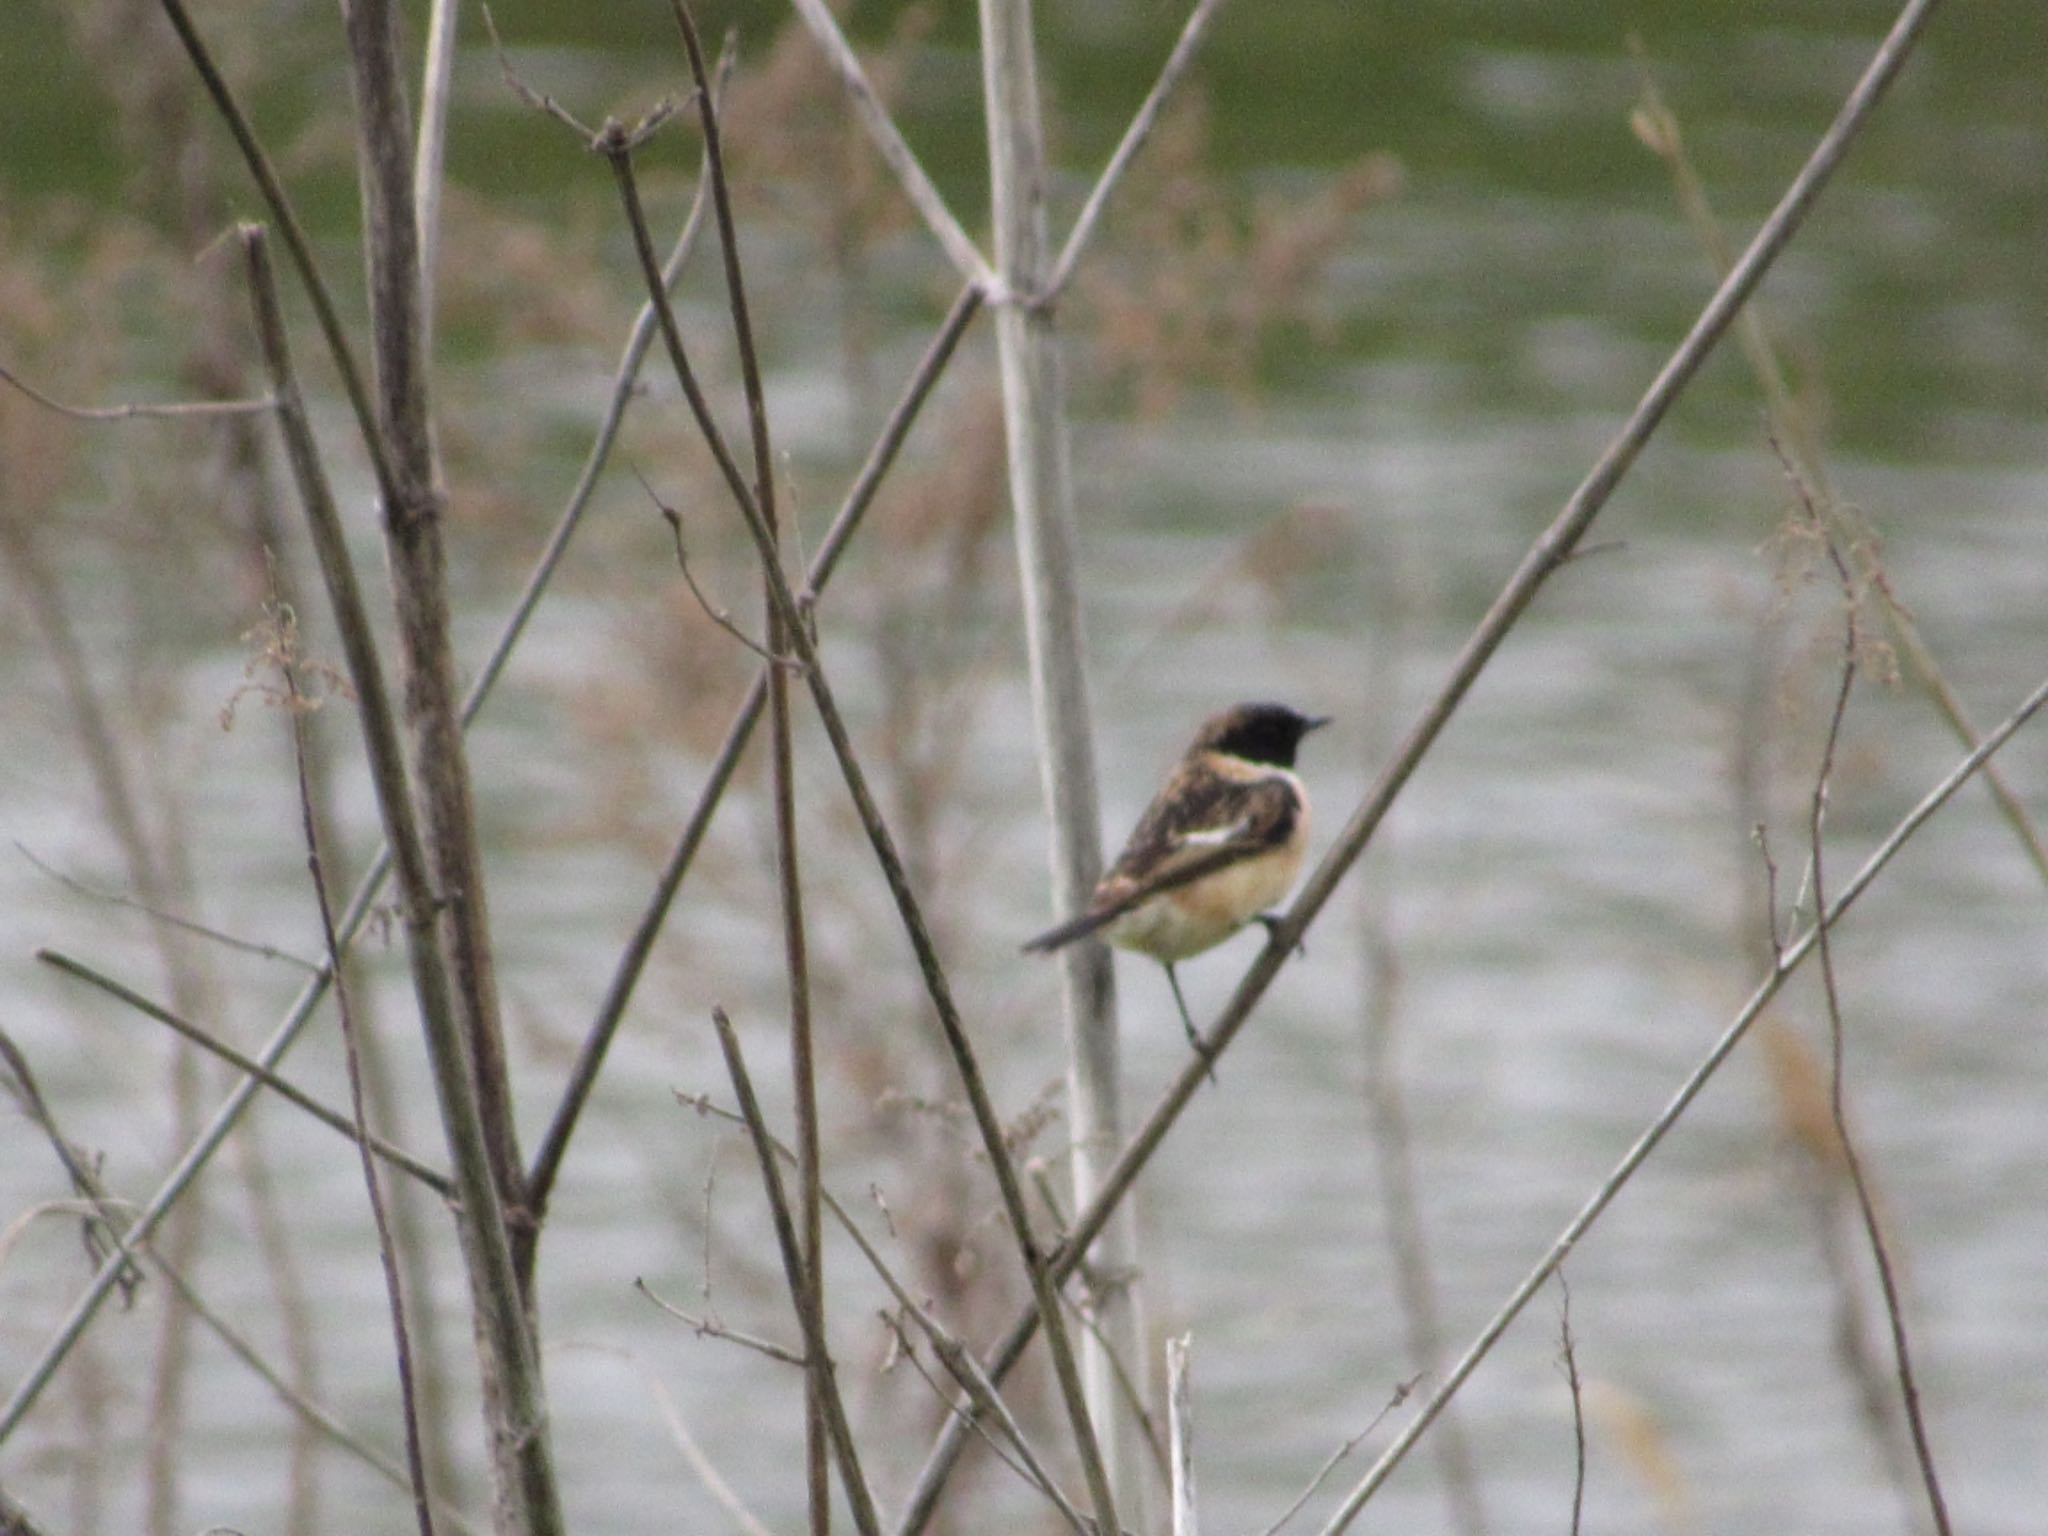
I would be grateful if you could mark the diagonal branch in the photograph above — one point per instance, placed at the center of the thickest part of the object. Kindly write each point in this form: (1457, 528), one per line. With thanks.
(521, 1450)
(1142, 124)
(296, 243)
(917, 186)
(1909, 1391)
(614, 143)
(333, 1119)
(633, 960)
(387, 1251)
(362, 900)
(136, 411)
(1782, 967)
(1550, 551)
(947, 1345)
(795, 1271)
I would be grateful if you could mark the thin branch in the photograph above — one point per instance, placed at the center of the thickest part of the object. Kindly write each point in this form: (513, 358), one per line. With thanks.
(15, 1520)
(613, 145)
(168, 410)
(1039, 460)
(951, 1351)
(296, 243)
(1658, 127)
(520, 1443)
(333, 1119)
(1731, 1036)
(710, 1328)
(363, 899)
(102, 1232)
(1568, 1356)
(387, 1251)
(548, 106)
(815, 1345)
(906, 1349)
(157, 914)
(717, 615)
(414, 515)
(1550, 550)
(1909, 1392)
(1140, 129)
(633, 959)
(959, 247)
(1393, 1151)
(308, 1410)
(789, 885)
(1400, 1395)
(100, 1208)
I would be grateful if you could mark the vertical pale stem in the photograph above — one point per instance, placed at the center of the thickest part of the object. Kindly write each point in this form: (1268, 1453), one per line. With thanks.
(1180, 1435)
(1042, 499)
(430, 152)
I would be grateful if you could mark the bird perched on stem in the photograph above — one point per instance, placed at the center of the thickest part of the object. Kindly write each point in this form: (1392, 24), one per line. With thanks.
(1219, 845)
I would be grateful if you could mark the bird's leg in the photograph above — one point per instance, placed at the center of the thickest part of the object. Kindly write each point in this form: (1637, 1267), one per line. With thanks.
(1271, 922)
(1188, 1023)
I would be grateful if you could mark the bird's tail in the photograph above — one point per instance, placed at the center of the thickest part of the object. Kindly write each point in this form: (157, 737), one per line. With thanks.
(1067, 932)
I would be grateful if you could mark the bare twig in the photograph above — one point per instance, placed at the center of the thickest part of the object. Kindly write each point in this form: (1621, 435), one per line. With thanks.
(398, 1157)
(1414, 1276)
(414, 512)
(387, 1252)
(959, 247)
(1658, 127)
(1140, 129)
(951, 1351)
(157, 914)
(1731, 1036)
(711, 1328)
(633, 959)
(167, 410)
(712, 611)
(1909, 1392)
(816, 1347)
(363, 899)
(548, 106)
(905, 1348)
(296, 244)
(1400, 1395)
(1568, 1356)
(613, 144)
(309, 1411)
(789, 885)
(1391, 1139)
(102, 1232)
(1041, 486)
(521, 1450)
(101, 1207)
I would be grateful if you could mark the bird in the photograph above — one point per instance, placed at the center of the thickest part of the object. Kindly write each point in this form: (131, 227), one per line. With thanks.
(1220, 844)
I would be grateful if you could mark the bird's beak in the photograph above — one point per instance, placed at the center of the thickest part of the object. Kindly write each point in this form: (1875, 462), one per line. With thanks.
(1315, 723)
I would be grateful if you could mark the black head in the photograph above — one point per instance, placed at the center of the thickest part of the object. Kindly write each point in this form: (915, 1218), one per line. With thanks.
(1260, 733)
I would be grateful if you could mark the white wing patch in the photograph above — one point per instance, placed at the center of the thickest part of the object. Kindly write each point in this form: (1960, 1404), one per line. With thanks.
(1216, 837)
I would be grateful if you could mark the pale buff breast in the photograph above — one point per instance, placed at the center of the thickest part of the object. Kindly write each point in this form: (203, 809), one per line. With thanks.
(1198, 916)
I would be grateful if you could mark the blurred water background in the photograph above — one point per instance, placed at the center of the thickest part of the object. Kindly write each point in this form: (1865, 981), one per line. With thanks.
(1378, 295)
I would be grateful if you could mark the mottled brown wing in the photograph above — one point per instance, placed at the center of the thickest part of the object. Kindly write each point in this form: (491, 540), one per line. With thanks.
(1203, 821)
(1202, 817)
